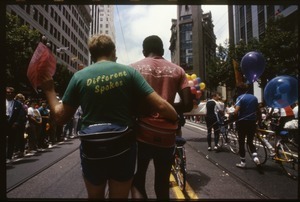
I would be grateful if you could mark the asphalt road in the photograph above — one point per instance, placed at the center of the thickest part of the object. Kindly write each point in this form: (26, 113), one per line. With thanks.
(55, 174)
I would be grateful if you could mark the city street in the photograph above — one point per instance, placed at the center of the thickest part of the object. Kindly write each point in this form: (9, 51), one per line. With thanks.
(55, 173)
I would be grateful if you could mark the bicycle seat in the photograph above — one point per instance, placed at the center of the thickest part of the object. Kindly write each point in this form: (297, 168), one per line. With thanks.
(180, 141)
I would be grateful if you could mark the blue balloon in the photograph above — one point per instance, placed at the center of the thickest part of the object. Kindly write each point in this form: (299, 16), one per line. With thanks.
(281, 91)
(253, 65)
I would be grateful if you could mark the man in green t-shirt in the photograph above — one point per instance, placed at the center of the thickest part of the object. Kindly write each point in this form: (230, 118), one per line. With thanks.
(107, 92)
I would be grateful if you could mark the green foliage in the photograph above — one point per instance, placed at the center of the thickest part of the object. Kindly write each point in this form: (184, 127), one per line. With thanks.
(20, 43)
(279, 48)
(62, 78)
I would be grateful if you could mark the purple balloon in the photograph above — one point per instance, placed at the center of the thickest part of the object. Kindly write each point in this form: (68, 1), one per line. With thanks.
(281, 91)
(253, 65)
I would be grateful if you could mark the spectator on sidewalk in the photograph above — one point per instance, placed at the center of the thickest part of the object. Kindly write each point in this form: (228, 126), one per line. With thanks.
(15, 118)
(20, 139)
(77, 121)
(43, 138)
(34, 130)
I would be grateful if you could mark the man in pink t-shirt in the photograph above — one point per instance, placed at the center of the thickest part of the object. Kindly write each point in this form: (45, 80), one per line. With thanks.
(166, 79)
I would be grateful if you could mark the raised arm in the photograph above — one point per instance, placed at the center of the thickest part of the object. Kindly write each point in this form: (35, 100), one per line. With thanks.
(59, 111)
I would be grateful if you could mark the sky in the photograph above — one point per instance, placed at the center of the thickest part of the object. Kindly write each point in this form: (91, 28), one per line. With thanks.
(133, 23)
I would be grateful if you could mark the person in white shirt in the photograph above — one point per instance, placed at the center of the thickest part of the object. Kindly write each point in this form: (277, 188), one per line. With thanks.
(295, 110)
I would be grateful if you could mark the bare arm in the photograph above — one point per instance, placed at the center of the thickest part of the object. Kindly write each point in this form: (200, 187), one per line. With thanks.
(59, 111)
(236, 111)
(164, 108)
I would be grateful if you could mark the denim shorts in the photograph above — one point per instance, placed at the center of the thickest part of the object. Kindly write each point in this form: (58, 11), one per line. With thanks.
(119, 168)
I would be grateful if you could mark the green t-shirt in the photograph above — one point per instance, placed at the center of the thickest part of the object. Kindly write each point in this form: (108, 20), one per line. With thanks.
(107, 92)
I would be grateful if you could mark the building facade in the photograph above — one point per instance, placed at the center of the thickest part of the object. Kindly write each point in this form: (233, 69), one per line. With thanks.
(103, 20)
(193, 42)
(67, 28)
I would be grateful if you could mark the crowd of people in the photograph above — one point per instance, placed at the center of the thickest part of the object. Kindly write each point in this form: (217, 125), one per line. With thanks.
(31, 128)
(107, 97)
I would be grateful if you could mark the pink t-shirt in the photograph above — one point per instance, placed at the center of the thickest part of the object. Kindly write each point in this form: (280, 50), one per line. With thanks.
(166, 78)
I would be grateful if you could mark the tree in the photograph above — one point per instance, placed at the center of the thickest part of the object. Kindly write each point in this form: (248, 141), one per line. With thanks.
(280, 49)
(61, 78)
(21, 42)
(216, 70)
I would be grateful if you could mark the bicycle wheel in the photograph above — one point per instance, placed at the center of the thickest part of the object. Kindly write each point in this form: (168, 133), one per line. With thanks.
(180, 169)
(287, 157)
(261, 149)
(233, 141)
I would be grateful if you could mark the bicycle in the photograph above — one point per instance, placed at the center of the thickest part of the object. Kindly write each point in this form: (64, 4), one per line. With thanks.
(286, 150)
(179, 164)
(228, 137)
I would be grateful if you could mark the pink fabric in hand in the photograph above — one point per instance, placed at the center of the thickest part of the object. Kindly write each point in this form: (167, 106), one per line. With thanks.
(42, 65)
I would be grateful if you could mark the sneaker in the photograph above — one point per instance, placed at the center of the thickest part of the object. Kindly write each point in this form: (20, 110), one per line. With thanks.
(209, 148)
(241, 165)
(256, 161)
(8, 161)
(216, 147)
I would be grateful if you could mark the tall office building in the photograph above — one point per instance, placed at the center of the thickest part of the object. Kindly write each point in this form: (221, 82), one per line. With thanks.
(67, 28)
(103, 20)
(250, 20)
(193, 42)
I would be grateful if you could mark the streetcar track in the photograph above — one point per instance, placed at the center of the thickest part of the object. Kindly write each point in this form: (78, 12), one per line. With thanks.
(39, 171)
(239, 179)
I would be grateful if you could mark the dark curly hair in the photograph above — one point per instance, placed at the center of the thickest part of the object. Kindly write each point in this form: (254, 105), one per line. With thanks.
(153, 44)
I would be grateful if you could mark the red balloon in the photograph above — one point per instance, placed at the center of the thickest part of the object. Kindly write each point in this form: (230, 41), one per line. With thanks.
(193, 90)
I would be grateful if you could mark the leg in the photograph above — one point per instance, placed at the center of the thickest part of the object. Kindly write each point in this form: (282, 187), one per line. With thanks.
(95, 191)
(242, 153)
(241, 134)
(119, 189)
(12, 133)
(163, 160)
(216, 133)
(250, 136)
(209, 129)
(144, 157)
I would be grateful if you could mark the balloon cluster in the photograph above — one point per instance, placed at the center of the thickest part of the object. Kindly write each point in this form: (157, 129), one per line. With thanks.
(279, 92)
(196, 87)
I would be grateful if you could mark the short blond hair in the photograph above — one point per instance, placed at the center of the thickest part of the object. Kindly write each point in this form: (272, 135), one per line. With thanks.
(100, 45)
(20, 96)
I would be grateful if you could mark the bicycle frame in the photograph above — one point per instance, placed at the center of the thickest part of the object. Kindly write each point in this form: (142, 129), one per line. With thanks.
(287, 156)
(286, 151)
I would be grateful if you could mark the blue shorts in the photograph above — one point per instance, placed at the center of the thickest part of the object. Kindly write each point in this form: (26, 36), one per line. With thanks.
(119, 168)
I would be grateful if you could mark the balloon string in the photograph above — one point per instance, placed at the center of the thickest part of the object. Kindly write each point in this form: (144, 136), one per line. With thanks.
(218, 122)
